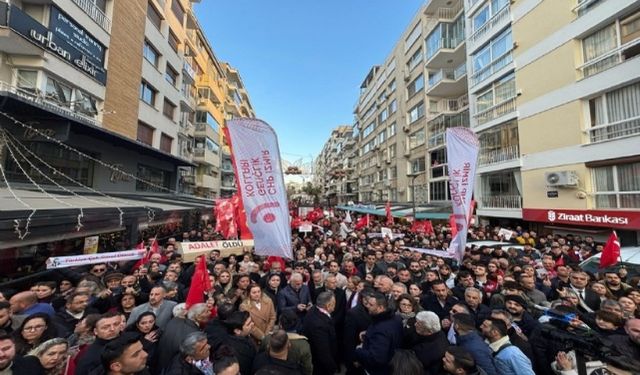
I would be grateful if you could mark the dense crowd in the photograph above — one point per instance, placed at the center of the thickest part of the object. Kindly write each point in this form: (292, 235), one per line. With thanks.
(351, 300)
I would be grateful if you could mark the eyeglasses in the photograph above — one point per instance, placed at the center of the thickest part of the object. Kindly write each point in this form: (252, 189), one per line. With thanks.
(99, 269)
(34, 328)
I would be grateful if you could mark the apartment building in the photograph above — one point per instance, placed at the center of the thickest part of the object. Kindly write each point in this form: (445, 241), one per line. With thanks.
(578, 80)
(334, 167)
(405, 106)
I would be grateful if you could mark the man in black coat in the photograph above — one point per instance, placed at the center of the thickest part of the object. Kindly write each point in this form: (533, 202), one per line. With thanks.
(357, 320)
(440, 302)
(431, 343)
(239, 326)
(9, 363)
(194, 348)
(71, 314)
(107, 328)
(177, 330)
(320, 330)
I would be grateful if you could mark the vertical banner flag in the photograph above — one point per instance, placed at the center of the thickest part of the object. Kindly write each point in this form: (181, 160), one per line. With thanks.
(611, 251)
(387, 209)
(462, 156)
(256, 160)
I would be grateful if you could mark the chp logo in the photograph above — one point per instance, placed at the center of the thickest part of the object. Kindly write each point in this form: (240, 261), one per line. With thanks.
(551, 216)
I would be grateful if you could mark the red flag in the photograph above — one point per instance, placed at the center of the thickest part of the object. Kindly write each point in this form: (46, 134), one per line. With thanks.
(140, 246)
(428, 227)
(387, 209)
(200, 284)
(225, 219)
(362, 222)
(472, 206)
(241, 218)
(453, 225)
(417, 226)
(611, 252)
(154, 245)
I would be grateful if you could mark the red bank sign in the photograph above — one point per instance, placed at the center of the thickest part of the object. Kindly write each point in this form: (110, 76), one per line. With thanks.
(596, 218)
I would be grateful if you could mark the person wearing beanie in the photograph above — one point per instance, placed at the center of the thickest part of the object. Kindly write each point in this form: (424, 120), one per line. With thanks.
(516, 306)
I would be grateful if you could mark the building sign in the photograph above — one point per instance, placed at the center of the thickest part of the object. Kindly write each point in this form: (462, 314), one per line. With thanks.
(595, 218)
(39, 35)
(63, 27)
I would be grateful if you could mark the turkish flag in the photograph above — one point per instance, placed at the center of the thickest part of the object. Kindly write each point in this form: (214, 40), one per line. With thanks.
(225, 218)
(611, 252)
(200, 284)
(387, 209)
(428, 227)
(417, 226)
(362, 222)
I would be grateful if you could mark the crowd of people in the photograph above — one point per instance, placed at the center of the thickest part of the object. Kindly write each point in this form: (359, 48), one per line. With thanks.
(351, 301)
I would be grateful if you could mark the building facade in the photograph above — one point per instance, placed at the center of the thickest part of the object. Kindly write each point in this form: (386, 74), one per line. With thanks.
(334, 167)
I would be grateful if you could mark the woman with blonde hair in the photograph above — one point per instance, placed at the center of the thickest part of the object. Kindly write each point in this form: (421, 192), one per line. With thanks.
(262, 312)
(53, 355)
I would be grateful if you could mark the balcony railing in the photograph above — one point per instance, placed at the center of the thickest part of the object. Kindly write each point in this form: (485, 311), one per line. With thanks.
(502, 201)
(450, 13)
(449, 74)
(95, 13)
(450, 105)
(493, 67)
(615, 130)
(584, 6)
(499, 156)
(39, 100)
(496, 111)
(494, 20)
(608, 60)
(448, 43)
(198, 152)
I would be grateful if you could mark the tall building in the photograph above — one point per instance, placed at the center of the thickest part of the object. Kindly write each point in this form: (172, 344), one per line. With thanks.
(577, 84)
(405, 106)
(334, 167)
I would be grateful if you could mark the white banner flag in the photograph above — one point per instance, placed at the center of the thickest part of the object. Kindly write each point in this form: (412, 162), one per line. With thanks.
(462, 157)
(260, 180)
(84, 259)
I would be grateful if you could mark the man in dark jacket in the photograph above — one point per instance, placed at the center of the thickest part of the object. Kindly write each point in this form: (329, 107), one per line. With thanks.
(356, 321)
(107, 328)
(319, 328)
(431, 342)
(440, 302)
(193, 358)
(123, 355)
(239, 326)
(73, 312)
(295, 297)
(215, 329)
(11, 364)
(516, 306)
(275, 360)
(382, 338)
(177, 330)
(468, 338)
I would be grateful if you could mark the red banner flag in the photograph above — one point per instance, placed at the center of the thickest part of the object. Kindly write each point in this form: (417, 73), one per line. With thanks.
(387, 209)
(200, 284)
(241, 218)
(428, 227)
(417, 226)
(453, 225)
(362, 222)
(611, 252)
(225, 219)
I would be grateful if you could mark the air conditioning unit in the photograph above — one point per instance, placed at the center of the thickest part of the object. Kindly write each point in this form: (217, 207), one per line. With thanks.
(561, 178)
(406, 129)
(407, 76)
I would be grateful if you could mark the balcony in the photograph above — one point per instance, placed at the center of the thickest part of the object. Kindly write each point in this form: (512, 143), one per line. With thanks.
(446, 52)
(493, 67)
(207, 181)
(207, 96)
(497, 22)
(497, 111)
(615, 130)
(187, 68)
(205, 156)
(445, 106)
(448, 82)
(226, 167)
(95, 13)
(228, 184)
(501, 202)
(205, 130)
(502, 155)
(610, 59)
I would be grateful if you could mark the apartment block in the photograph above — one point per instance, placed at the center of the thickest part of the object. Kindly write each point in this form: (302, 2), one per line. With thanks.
(577, 85)
(334, 167)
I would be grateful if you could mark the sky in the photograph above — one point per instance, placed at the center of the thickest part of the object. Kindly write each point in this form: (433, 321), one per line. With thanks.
(303, 61)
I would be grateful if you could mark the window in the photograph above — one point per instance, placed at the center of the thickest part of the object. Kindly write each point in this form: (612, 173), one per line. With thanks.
(85, 103)
(499, 92)
(487, 12)
(368, 130)
(417, 138)
(383, 116)
(615, 114)
(417, 165)
(416, 113)
(58, 92)
(27, 79)
(168, 109)
(392, 151)
(393, 172)
(495, 54)
(445, 35)
(439, 191)
(393, 106)
(392, 86)
(381, 137)
(154, 16)
(438, 165)
(155, 176)
(165, 143)
(145, 134)
(177, 10)
(150, 53)
(173, 41)
(204, 117)
(617, 186)
(212, 146)
(415, 59)
(147, 93)
(415, 86)
(413, 36)
(392, 130)
(171, 75)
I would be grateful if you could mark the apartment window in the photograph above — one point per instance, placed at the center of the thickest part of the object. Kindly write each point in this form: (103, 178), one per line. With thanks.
(445, 35)
(393, 106)
(392, 151)
(418, 165)
(383, 116)
(85, 103)
(155, 176)
(168, 109)
(417, 138)
(413, 36)
(487, 12)
(615, 114)
(204, 117)
(392, 130)
(381, 137)
(415, 86)
(393, 172)
(177, 10)
(154, 16)
(369, 129)
(148, 93)
(611, 45)
(499, 92)
(617, 186)
(415, 59)
(145, 134)
(171, 75)
(392, 86)
(493, 52)
(165, 143)
(173, 41)
(58, 92)
(439, 191)
(416, 113)
(27, 79)
(150, 53)
(212, 146)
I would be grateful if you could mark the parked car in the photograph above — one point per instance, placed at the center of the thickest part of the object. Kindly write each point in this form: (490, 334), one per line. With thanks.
(630, 257)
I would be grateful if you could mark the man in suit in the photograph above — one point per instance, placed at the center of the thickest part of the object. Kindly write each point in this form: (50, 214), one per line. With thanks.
(357, 320)
(320, 330)
(370, 266)
(158, 305)
(295, 297)
(589, 300)
(441, 301)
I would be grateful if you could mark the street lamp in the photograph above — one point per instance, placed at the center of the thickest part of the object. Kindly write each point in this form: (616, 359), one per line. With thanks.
(413, 191)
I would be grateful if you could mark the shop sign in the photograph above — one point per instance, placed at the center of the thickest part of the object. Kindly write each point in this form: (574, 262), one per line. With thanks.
(596, 218)
(41, 36)
(64, 28)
